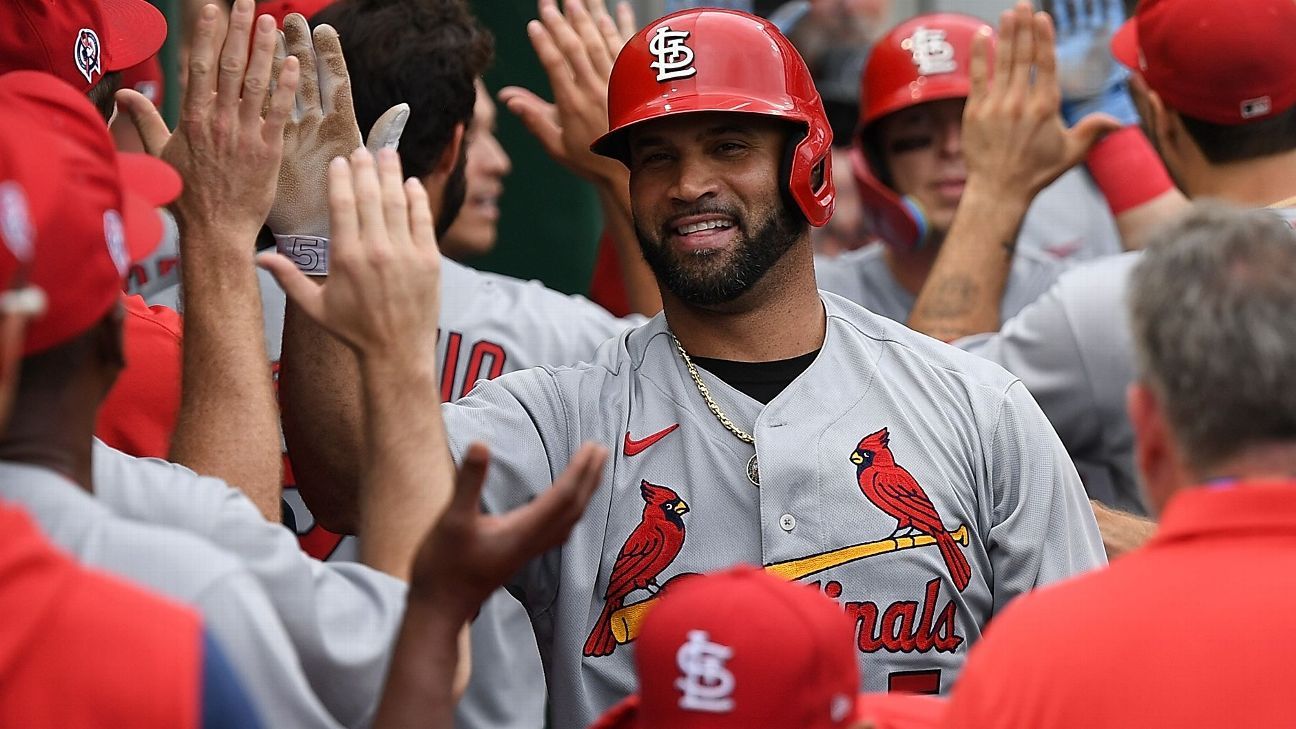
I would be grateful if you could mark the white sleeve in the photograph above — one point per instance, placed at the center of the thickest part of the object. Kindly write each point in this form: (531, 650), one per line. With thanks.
(240, 618)
(1042, 528)
(341, 617)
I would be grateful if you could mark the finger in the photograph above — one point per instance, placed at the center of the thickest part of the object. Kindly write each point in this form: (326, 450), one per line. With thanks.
(234, 55)
(276, 67)
(368, 199)
(548, 519)
(1046, 82)
(537, 115)
(979, 66)
(422, 227)
(572, 47)
(387, 131)
(256, 83)
(1023, 51)
(202, 62)
(281, 103)
(1086, 133)
(297, 286)
(606, 27)
(395, 207)
(469, 480)
(587, 31)
(344, 225)
(626, 25)
(1004, 53)
(144, 116)
(298, 37)
(555, 65)
(335, 83)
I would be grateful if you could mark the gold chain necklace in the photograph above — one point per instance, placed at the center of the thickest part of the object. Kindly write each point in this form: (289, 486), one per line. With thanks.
(753, 471)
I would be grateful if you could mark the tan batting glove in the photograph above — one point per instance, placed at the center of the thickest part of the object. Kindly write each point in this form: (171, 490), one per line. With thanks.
(324, 127)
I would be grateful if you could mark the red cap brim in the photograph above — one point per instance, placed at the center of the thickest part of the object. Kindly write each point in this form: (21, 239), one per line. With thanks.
(149, 177)
(143, 224)
(624, 715)
(1125, 46)
(135, 32)
(900, 710)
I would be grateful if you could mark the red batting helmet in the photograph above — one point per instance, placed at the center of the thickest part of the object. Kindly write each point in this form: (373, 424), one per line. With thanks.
(710, 59)
(923, 59)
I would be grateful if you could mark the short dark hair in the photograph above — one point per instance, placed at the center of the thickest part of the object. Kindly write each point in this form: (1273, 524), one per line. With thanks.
(104, 94)
(1224, 143)
(426, 53)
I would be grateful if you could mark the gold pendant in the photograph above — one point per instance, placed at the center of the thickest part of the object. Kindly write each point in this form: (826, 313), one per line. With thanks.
(753, 472)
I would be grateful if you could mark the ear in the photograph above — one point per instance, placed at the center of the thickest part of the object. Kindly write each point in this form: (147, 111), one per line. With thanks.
(1154, 449)
(450, 155)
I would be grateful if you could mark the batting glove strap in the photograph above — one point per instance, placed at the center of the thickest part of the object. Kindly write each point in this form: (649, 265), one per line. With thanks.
(308, 252)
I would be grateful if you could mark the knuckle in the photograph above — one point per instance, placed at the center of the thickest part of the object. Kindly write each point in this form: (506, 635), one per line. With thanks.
(231, 65)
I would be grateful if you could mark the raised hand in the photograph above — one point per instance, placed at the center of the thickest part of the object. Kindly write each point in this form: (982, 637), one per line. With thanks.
(323, 128)
(577, 49)
(1014, 138)
(224, 148)
(381, 297)
(467, 555)
(1089, 76)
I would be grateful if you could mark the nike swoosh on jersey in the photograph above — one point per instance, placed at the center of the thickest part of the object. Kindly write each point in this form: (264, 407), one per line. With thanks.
(635, 447)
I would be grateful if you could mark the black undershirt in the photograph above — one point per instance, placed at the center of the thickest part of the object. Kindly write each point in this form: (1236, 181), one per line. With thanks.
(761, 381)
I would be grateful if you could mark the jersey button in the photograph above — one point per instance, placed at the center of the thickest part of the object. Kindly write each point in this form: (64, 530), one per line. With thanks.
(787, 522)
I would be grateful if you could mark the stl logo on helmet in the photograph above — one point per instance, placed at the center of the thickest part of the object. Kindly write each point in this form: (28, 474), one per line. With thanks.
(932, 54)
(87, 55)
(674, 59)
(706, 684)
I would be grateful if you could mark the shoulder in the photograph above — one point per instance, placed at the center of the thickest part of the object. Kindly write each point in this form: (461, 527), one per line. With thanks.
(849, 266)
(142, 319)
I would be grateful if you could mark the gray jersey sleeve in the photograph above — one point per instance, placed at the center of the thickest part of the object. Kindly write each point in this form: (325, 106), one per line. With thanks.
(1042, 527)
(342, 618)
(1071, 349)
(529, 446)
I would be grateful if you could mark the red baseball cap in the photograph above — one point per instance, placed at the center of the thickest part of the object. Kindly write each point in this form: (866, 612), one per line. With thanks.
(94, 211)
(1220, 62)
(742, 648)
(78, 40)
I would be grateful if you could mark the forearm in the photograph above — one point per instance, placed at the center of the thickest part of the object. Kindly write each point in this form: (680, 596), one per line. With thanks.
(962, 293)
(1137, 224)
(429, 670)
(408, 471)
(1121, 532)
(319, 382)
(641, 285)
(228, 422)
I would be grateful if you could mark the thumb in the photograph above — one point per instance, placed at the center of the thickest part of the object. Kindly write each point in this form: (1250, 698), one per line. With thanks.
(387, 131)
(306, 294)
(144, 116)
(539, 116)
(1086, 132)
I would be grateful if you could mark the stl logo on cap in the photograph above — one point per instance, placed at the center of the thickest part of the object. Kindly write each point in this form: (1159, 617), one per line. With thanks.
(115, 237)
(932, 54)
(15, 224)
(674, 59)
(706, 684)
(89, 60)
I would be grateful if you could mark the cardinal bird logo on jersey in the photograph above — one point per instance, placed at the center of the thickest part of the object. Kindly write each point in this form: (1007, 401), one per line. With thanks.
(650, 548)
(893, 490)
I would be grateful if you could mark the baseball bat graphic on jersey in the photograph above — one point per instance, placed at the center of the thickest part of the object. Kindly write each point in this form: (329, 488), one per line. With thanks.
(626, 620)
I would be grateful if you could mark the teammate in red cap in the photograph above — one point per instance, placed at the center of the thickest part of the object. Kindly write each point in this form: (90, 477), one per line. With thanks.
(727, 146)
(1194, 629)
(910, 173)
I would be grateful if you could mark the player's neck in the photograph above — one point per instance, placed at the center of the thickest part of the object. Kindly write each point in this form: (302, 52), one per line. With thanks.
(781, 317)
(910, 268)
(53, 435)
(1253, 183)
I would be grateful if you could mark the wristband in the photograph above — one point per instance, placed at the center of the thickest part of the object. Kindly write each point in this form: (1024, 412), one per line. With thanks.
(309, 253)
(1127, 170)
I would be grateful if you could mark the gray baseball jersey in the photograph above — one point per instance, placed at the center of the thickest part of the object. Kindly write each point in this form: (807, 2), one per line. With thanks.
(1070, 220)
(919, 486)
(1072, 350)
(490, 324)
(863, 276)
(345, 627)
(186, 568)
